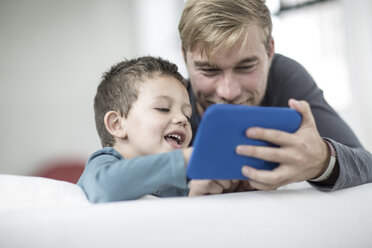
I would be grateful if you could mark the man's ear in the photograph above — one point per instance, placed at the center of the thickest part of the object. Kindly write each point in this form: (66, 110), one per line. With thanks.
(183, 53)
(114, 124)
(271, 48)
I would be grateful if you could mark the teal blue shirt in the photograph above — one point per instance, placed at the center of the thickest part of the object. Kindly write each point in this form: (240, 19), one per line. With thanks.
(109, 177)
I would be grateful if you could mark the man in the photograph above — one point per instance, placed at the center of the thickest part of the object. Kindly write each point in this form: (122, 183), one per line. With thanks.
(229, 53)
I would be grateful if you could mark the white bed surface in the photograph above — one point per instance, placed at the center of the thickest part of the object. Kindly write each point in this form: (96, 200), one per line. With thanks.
(294, 216)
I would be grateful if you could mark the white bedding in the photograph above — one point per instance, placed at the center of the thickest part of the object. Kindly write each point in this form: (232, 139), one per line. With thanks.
(39, 212)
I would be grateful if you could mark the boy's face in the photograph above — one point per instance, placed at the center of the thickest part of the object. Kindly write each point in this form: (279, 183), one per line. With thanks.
(158, 120)
(236, 76)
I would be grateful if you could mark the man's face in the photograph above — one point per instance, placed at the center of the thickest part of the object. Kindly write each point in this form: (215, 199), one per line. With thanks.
(235, 76)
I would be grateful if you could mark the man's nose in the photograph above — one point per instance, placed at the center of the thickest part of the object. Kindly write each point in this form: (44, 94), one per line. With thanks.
(228, 89)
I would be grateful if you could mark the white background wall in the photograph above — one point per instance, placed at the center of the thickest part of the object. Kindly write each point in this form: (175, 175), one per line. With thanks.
(331, 40)
(358, 25)
(52, 56)
(53, 53)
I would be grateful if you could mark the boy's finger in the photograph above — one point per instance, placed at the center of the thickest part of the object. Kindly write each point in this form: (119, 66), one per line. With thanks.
(225, 184)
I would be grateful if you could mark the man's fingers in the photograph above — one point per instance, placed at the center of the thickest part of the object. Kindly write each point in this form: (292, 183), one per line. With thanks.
(303, 108)
(267, 179)
(261, 186)
(301, 155)
(277, 137)
(266, 153)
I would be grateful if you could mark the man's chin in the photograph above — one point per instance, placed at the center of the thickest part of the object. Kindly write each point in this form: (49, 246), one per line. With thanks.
(209, 103)
(202, 105)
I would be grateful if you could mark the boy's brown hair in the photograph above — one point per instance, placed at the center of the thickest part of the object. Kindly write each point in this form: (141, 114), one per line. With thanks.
(118, 89)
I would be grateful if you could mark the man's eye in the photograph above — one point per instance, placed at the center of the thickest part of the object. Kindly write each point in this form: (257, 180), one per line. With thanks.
(163, 109)
(209, 70)
(245, 68)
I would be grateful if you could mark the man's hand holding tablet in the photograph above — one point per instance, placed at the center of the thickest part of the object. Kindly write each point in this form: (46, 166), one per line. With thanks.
(223, 128)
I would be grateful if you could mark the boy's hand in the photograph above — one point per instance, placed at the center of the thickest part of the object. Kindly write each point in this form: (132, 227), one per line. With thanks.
(244, 185)
(211, 187)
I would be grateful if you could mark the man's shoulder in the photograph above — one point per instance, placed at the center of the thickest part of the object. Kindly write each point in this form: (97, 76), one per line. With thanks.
(284, 68)
(283, 62)
(287, 79)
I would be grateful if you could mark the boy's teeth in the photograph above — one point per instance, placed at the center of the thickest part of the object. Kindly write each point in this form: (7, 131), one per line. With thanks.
(176, 136)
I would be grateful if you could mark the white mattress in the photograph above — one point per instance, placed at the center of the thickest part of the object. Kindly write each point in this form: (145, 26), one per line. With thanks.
(39, 212)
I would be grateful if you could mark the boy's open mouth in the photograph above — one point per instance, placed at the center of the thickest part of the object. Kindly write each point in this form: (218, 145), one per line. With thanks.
(175, 139)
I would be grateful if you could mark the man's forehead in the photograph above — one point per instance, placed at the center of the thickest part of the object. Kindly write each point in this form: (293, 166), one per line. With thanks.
(247, 45)
(228, 57)
(203, 63)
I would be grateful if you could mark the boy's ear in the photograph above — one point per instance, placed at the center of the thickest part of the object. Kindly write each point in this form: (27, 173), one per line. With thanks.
(114, 123)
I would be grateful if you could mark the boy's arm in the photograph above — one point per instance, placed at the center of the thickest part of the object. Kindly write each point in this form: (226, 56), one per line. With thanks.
(109, 178)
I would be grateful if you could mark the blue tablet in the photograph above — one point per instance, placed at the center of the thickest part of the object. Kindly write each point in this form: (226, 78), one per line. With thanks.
(223, 128)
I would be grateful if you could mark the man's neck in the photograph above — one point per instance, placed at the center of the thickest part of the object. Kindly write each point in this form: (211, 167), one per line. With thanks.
(199, 109)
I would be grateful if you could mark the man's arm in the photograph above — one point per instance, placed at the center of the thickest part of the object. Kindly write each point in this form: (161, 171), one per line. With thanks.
(353, 167)
(288, 79)
(303, 156)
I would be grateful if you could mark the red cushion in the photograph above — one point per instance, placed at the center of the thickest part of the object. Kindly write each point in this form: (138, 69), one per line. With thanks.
(64, 170)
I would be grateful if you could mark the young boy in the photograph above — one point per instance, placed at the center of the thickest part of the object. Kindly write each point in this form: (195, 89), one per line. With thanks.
(142, 113)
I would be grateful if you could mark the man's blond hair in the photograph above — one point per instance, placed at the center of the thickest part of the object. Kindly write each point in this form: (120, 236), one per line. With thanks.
(219, 24)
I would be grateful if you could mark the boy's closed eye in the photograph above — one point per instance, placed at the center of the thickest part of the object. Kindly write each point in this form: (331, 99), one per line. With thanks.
(165, 110)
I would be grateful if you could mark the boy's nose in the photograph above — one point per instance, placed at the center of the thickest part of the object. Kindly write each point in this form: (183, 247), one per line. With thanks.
(228, 89)
(179, 119)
